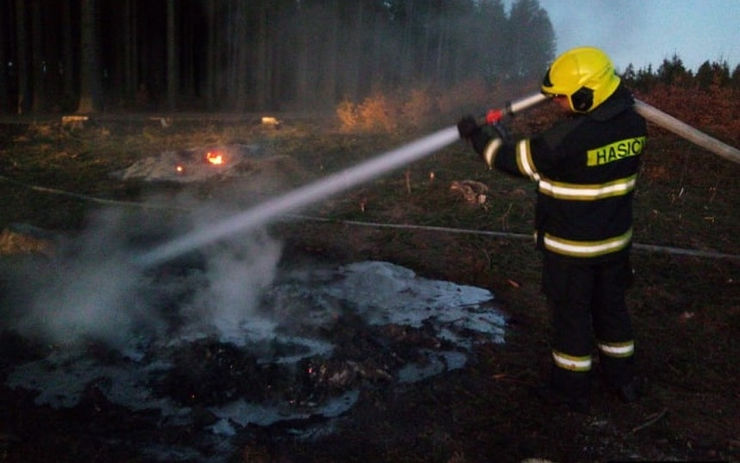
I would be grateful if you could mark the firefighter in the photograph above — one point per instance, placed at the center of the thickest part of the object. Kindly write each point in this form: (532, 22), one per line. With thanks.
(585, 169)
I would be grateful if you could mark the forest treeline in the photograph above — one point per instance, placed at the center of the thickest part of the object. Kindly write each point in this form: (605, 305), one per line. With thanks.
(236, 55)
(711, 74)
(260, 54)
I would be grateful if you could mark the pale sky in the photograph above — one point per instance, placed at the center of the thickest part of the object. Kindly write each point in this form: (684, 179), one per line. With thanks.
(645, 32)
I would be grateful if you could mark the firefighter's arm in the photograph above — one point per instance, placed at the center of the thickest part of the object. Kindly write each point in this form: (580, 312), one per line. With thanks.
(528, 157)
(504, 159)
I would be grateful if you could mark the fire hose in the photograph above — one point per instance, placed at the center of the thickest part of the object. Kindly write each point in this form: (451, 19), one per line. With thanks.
(686, 131)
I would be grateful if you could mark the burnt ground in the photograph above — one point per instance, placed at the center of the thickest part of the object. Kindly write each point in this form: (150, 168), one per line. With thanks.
(482, 412)
(685, 312)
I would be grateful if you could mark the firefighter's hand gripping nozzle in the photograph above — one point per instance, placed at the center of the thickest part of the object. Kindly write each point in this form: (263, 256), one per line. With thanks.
(469, 129)
(486, 139)
(468, 125)
(488, 133)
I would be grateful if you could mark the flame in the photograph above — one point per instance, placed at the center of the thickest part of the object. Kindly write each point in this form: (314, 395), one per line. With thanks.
(179, 169)
(215, 158)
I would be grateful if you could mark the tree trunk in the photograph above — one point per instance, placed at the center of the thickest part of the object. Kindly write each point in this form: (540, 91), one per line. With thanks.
(240, 56)
(24, 99)
(89, 84)
(329, 81)
(262, 65)
(68, 67)
(333, 57)
(5, 35)
(406, 56)
(38, 90)
(275, 54)
(357, 55)
(211, 56)
(172, 74)
(130, 51)
(302, 78)
(186, 67)
(377, 64)
(442, 38)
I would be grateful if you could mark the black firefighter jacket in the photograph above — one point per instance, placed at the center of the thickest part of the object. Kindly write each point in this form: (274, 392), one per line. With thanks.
(585, 169)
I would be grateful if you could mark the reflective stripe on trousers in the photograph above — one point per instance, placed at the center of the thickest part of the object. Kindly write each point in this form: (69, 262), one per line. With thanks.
(570, 362)
(617, 349)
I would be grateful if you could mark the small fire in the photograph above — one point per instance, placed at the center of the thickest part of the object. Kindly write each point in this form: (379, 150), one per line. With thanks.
(215, 158)
(180, 169)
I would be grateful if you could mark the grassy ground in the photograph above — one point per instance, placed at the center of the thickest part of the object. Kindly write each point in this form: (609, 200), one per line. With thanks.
(685, 309)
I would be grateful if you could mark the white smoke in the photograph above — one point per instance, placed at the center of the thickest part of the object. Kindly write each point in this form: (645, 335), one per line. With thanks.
(92, 290)
(237, 274)
(85, 291)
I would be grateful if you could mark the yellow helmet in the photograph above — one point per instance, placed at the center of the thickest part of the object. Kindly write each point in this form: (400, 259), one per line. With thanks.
(585, 75)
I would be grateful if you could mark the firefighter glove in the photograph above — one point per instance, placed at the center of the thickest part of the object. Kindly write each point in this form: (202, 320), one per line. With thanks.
(470, 130)
(481, 136)
(467, 127)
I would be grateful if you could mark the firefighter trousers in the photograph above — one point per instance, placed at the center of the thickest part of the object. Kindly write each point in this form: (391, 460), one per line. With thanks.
(587, 300)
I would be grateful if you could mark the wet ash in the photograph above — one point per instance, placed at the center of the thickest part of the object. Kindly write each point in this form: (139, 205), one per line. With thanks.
(321, 336)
